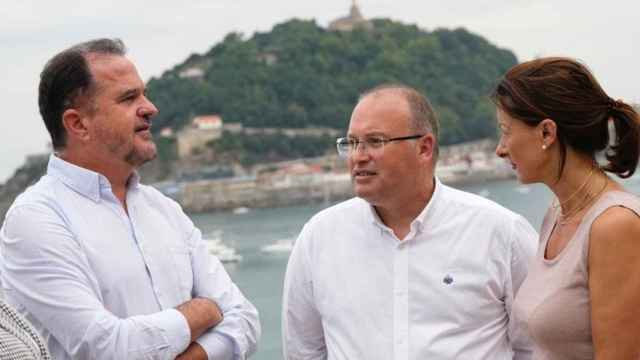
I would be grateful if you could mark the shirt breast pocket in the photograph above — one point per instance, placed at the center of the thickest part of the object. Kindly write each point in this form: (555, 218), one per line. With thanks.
(472, 293)
(184, 272)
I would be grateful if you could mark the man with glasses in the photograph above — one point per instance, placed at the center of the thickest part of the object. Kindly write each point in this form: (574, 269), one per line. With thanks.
(410, 268)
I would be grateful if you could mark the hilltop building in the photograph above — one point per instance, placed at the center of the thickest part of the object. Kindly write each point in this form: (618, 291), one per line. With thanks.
(202, 130)
(351, 21)
(196, 136)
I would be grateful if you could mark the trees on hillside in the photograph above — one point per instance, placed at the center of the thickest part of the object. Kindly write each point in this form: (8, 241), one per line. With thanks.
(301, 75)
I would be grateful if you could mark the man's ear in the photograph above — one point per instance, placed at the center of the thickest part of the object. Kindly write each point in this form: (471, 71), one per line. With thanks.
(427, 145)
(75, 123)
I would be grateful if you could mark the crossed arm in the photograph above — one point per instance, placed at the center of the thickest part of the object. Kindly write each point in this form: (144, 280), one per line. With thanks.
(201, 314)
(228, 328)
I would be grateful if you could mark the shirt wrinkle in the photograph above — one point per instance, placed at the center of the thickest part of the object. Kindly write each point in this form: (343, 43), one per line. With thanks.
(433, 295)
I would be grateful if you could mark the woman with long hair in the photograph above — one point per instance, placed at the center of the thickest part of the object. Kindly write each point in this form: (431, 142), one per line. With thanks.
(581, 299)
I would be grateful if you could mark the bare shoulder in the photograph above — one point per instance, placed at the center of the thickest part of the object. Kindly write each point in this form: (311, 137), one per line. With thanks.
(616, 221)
(616, 230)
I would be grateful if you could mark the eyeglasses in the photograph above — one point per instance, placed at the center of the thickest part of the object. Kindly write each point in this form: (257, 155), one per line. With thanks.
(346, 145)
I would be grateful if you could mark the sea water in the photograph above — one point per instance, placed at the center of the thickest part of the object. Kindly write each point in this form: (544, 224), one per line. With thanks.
(260, 274)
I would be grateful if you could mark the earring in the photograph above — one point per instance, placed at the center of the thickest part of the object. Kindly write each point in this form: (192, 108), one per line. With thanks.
(544, 146)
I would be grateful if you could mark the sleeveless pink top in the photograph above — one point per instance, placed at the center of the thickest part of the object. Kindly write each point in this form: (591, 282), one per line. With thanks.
(552, 305)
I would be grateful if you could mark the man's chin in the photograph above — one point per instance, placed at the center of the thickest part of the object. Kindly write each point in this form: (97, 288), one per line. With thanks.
(139, 158)
(368, 196)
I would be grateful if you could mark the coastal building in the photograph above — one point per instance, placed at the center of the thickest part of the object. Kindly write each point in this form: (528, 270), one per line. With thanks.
(296, 174)
(462, 152)
(470, 162)
(294, 132)
(195, 137)
(351, 21)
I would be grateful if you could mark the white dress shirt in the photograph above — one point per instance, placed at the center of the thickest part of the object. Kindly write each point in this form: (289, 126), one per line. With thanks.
(354, 291)
(100, 284)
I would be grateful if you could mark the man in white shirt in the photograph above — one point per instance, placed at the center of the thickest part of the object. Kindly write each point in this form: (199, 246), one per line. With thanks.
(411, 268)
(103, 266)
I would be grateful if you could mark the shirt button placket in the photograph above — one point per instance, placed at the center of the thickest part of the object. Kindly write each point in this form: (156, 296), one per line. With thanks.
(401, 301)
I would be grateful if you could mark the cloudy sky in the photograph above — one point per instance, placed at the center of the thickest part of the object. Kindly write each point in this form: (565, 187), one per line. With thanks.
(160, 34)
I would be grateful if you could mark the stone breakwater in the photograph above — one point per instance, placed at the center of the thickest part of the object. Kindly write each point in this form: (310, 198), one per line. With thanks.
(228, 194)
(326, 180)
(203, 196)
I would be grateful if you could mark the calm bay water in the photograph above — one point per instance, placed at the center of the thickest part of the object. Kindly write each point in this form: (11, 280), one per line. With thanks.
(260, 275)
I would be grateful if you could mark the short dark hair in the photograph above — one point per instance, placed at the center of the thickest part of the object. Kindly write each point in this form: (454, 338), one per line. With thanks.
(66, 79)
(423, 117)
(565, 91)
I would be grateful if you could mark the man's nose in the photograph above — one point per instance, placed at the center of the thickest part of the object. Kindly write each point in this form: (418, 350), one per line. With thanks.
(360, 152)
(148, 109)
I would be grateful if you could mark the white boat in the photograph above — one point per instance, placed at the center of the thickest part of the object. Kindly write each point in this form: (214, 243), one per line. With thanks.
(224, 253)
(241, 210)
(280, 246)
(484, 193)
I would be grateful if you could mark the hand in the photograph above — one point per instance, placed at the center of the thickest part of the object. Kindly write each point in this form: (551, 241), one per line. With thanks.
(201, 314)
(193, 352)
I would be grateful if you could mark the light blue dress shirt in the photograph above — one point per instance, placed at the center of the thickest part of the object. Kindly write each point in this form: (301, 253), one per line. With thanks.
(98, 283)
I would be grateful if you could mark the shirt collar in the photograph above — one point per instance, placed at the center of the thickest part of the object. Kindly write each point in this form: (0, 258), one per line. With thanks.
(420, 220)
(432, 206)
(84, 181)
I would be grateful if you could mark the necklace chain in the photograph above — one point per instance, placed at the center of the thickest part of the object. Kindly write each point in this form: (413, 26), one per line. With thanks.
(565, 218)
(584, 184)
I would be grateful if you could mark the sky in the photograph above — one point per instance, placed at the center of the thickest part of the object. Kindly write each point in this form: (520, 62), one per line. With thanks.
(161, 34)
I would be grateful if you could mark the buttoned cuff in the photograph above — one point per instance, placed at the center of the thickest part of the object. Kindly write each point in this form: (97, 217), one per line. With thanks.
(217, 346)
(175, 328)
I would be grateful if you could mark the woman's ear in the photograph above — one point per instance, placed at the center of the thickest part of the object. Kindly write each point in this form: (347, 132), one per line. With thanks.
(548, 131)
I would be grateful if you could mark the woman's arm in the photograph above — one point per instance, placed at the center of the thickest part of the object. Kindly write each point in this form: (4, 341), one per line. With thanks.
(614, 284)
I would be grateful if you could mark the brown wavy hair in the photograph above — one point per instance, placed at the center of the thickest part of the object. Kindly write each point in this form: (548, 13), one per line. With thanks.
(565, 91)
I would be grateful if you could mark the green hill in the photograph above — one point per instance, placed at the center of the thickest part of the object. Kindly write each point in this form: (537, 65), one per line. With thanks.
(300, 75)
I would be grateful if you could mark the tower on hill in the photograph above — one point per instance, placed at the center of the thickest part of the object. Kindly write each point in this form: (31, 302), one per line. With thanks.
(351, 21)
